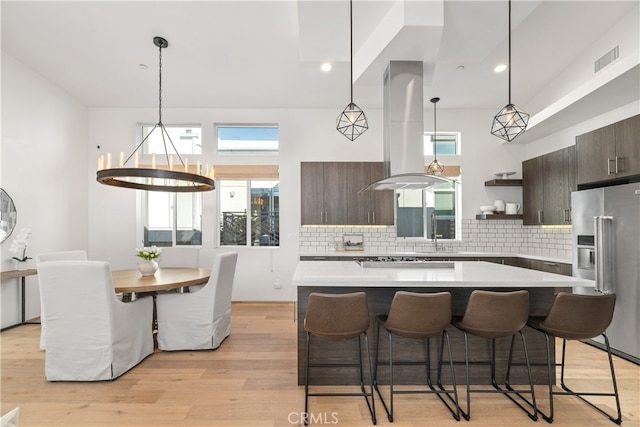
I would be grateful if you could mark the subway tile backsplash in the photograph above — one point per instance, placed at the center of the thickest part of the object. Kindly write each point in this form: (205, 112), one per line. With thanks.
(477, 236)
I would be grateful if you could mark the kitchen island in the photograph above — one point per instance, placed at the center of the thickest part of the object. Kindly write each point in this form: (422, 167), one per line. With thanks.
(458, 277)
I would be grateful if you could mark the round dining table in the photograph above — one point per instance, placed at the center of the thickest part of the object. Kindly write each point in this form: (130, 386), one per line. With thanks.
(131, 282)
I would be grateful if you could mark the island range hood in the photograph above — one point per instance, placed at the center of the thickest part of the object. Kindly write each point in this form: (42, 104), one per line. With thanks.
(403, 127)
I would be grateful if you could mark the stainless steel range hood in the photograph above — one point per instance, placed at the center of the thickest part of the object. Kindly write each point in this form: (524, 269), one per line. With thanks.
(403, 123)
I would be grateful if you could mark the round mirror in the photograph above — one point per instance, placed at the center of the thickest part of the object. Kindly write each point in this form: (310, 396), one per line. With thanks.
(8, 215)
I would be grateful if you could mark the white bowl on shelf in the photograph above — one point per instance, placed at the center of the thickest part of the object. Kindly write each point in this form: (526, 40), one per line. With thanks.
(489, 209)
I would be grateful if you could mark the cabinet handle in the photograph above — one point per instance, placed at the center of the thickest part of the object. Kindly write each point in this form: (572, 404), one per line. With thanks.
(567, 215)
(374, 216)
(368, 220)
(326, 217)
(540, 216)
(609, 166)
(552, 264)
(321, 221)
(618, 170)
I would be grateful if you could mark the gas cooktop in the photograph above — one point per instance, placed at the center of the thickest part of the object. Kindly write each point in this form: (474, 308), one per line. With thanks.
(401, 262)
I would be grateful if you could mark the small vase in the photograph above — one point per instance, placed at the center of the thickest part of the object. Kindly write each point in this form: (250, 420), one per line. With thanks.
(21, 265)
(147, 267)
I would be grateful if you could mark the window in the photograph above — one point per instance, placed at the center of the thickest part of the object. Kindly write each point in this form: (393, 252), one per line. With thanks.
(446, 144)
(425, 213)
(172, 219)
(186, 140)
(247, 139)
(249, 212)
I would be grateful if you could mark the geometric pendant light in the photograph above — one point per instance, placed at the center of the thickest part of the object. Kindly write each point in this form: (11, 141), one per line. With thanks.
(435, 167)
(184, 178)
(352, 122)
(510, 121)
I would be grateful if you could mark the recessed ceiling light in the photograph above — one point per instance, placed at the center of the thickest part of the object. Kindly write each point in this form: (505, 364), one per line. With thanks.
(500, 68)
(326, 67)
(460, 68)
(143, 66)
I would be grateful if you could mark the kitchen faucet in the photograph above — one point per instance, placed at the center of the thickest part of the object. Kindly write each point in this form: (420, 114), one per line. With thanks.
(434, 230)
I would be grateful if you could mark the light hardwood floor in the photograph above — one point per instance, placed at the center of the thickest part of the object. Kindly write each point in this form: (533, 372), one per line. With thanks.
(251, 380)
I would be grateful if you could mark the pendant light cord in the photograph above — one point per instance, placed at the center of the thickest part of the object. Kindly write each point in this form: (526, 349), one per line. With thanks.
(160, 86)
(435, 134)
(351, 46)
(509, 51)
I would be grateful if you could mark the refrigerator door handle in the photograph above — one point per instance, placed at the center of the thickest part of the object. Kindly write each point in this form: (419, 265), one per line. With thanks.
(604, 270)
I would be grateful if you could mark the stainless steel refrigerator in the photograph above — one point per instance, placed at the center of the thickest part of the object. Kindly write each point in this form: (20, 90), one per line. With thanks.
(606, 248)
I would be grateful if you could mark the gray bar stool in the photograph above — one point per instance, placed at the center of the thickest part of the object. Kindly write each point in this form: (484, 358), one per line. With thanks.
(419, 317)
(338, 317)
(493, 315)
(578, 317)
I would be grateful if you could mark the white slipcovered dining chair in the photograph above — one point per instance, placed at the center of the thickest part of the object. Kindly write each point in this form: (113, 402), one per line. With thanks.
(78, 255)
(91, 335)
(200, 319)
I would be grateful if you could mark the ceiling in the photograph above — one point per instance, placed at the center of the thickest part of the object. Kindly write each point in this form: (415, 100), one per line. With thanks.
(267, 54)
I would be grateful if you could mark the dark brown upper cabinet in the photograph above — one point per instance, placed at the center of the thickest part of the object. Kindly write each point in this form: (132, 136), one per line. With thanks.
(324, 193)
(547, 183)
(372, 207)
(609, 153)
(330, 194)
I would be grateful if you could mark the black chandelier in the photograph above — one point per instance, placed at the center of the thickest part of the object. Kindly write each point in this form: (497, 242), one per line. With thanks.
(184, 178)
(510, 121)
(435, 167)
(352, 122)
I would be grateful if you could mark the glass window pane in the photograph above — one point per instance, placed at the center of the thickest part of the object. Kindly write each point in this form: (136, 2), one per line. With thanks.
(247, 138)
(265, 209)
(185, 139)
(189, 219)
(445, 214)
(233, 212)
(447, 143)
(410, 213)
(157, 222)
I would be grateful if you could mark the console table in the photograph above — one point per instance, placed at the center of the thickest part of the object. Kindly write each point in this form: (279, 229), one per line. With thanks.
(22, 275)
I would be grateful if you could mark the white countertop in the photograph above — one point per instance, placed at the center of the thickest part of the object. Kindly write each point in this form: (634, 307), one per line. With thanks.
(474, 274)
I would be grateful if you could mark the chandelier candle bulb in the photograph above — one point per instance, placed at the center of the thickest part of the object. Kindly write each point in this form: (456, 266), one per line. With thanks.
(136, 160)
(198, 167)
(186, 164)
(171, 162)
(121, 159)
(108, 160)
(153, 161)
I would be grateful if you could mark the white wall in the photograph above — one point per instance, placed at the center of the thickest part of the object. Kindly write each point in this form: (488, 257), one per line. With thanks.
(44, 134)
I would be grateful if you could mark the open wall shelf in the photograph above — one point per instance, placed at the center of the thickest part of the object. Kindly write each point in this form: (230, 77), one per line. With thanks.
(503, 183)
(498, 216)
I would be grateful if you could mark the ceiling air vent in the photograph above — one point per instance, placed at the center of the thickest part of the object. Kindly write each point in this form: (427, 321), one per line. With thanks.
(607, 58)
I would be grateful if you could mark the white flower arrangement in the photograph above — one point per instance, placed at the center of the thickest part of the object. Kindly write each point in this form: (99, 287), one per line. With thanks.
(148, 253)
(19, 245)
